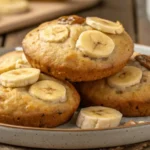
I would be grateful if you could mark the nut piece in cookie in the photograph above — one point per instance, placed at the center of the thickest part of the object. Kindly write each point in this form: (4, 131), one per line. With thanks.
(71, 20)
(143, 60)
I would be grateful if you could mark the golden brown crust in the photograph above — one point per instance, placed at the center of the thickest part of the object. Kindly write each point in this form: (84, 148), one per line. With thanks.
(62, 60)
(18, 107)
(132, 101)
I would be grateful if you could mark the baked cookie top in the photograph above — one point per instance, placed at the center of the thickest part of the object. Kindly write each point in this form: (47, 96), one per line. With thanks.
(127, 91)
(78, 49)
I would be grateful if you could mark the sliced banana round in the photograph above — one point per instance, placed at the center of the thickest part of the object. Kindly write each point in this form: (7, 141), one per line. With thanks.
(95, 44)
(24, 58)
(46, 77)
(8, 61)
(48, 90)
(22, 64)
(105, 25)
(98, 117)
(19, 77)
(127, 77)
(57, 33)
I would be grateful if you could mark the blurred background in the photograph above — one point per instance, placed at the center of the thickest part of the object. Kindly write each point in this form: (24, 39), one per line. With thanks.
(17, 19)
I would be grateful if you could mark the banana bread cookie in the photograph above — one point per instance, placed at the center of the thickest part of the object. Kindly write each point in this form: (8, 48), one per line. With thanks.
(46, 103)
(126, 91)
(78, 49)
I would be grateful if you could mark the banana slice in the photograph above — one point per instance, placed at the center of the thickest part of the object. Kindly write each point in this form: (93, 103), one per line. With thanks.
(48, 90)
(105, 25)
(95, 44)
(8, 61)
(24, 58)
(20, 77)
(56, 33)
(98, 117)
(46, 77)
(129, 76)
(22, 64)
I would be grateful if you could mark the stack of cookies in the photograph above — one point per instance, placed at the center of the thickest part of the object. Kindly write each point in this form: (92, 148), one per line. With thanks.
(92, 53)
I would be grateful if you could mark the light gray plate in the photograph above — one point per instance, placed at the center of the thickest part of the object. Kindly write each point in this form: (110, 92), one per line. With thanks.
(68, 136)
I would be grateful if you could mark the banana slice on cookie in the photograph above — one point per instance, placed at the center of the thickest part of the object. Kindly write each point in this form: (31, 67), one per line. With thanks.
(98, 117)
(19, 77)
(48, 90)
(57, 33)
(105, 25)
(95, 44)
(129, 76)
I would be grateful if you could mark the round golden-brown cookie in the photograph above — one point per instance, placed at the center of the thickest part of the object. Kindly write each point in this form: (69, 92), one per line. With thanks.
(59, 55)
(133, 100)
(19, 107)
(13, 6)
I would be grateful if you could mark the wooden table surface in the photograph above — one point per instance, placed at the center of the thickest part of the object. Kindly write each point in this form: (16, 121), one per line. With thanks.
(131, 13)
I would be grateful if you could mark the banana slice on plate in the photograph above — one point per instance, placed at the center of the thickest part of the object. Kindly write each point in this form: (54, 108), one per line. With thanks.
(105, 25)
(95, 44)
(98, 117)
(48, 90)
(19, 77)
(56, 33)
(127, 77)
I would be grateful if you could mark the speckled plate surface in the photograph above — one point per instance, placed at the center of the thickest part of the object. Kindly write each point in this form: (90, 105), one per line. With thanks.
(68, 136)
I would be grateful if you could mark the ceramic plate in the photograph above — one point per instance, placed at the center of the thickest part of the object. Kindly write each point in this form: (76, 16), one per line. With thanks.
(68, 136)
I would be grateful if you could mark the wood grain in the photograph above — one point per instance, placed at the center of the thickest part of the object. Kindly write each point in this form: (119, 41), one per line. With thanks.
(15, 38)
(115, 10)
(41, 11)
(143, 23)
(1, 40)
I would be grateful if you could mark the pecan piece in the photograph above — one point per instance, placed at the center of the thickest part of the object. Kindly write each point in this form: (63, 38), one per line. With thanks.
(71, 20)
(144, 60)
